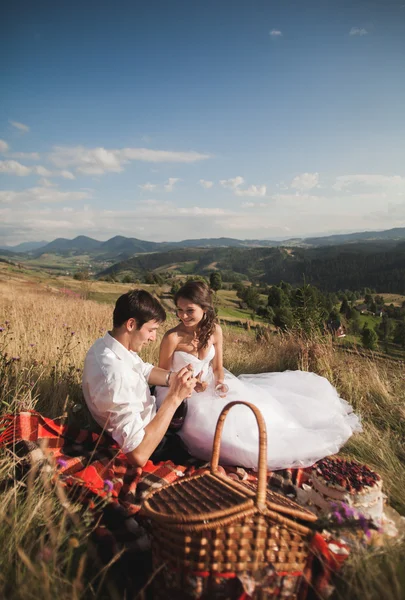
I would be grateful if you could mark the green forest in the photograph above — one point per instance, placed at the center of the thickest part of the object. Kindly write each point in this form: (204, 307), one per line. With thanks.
(351, 266)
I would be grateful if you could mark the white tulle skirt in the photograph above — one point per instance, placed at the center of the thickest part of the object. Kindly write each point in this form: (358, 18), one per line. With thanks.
(306, 419)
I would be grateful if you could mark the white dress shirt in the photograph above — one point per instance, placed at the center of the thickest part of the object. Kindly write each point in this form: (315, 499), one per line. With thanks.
(115, 387)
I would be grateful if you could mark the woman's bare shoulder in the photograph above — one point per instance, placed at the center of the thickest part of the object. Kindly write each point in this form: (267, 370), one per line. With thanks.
(218, 332)
(172, 335)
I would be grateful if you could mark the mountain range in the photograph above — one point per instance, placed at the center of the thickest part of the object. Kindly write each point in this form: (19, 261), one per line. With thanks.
(390, 235)
(126, 247)
(121, 248)
(346, 261)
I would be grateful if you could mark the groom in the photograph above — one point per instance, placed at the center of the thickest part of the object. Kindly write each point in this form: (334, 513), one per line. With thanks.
(116, 383)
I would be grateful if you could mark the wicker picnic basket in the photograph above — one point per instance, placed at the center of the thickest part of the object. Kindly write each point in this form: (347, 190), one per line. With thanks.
(208, 529)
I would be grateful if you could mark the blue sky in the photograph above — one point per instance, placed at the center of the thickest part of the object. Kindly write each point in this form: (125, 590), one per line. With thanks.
(185, 119)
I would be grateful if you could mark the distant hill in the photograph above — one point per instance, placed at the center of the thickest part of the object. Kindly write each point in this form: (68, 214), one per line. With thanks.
(126, 247)
(24, 247)
(121, 248)
(118, 247)
(9, 253)
(391, 235)
(139, 265)
(331, 268)
(374, 259)
(222, 242)
(120, 243)
(81, 243)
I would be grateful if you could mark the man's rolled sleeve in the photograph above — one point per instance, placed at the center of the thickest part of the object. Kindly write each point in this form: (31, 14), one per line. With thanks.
(127, 429)
(147, 370)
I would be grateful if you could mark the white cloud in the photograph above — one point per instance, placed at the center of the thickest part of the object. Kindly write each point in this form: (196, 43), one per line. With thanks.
(305, 181)
(235, 183)
(171, 183)
(39, 170)
(96, 161)
(169, 211)
(36, 214)
(65, 174)
(197, 211)
(3, 146)
(391, 181)
(151, 202)
(44, 182)
(168, 186)
(157, 156)
(232, 184)
(20, 126)
(41, 194)
(300, 201)
(253, 190)
(358, 31)
(255, 205)
(12, 167)
(148, 187)
(24, 222)
(206, 184)
(275, 33)
(281, 186)
(25, 155)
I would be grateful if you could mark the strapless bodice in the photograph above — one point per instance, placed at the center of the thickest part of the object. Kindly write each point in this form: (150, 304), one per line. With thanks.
(200, 365)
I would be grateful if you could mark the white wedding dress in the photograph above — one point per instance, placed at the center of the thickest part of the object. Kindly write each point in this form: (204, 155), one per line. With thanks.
(306, 420)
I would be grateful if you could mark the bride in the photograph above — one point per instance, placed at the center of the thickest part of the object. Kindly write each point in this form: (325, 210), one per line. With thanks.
(305, 418)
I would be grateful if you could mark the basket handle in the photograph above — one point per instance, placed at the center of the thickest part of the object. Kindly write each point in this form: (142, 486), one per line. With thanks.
(262, 467)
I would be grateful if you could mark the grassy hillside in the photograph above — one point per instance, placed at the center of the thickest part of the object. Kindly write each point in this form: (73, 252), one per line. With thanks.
(48, 334)
(354, 266)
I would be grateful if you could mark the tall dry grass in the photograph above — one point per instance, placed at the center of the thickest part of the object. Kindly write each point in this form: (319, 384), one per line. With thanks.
(45, 336)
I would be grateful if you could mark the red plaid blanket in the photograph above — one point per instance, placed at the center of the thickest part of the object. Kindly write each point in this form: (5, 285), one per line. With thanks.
(94, 465)
(85, 459)
(95, 462)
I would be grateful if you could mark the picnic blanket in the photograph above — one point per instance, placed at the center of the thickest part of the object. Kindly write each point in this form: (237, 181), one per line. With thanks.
(92, 466)
(95, 462)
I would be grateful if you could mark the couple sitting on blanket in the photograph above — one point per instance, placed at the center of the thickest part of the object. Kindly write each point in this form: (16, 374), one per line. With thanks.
(305, 417)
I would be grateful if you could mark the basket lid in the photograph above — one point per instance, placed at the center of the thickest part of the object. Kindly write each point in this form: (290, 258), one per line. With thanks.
(282, 504)
(211, 496)
(197, 498)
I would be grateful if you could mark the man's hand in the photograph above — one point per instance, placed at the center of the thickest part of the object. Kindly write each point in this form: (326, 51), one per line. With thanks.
(200, 386)
(182, 384)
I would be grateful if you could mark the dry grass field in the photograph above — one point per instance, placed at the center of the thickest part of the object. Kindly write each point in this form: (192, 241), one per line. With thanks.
(395, 299)
(45, 333)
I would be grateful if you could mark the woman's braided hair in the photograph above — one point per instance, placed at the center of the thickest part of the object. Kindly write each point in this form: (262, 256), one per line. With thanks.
(199, 293)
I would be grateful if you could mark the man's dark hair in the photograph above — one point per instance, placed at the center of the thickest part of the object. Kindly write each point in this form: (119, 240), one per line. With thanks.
(138, 305)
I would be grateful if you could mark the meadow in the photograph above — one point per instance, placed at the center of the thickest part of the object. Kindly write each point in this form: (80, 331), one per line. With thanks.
(46, 331)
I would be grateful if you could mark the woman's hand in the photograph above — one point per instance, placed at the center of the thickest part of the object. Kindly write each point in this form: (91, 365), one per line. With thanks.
(182, 384)
(221, 389)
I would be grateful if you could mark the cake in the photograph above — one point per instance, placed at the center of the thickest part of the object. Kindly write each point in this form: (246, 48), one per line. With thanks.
(336, 480)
